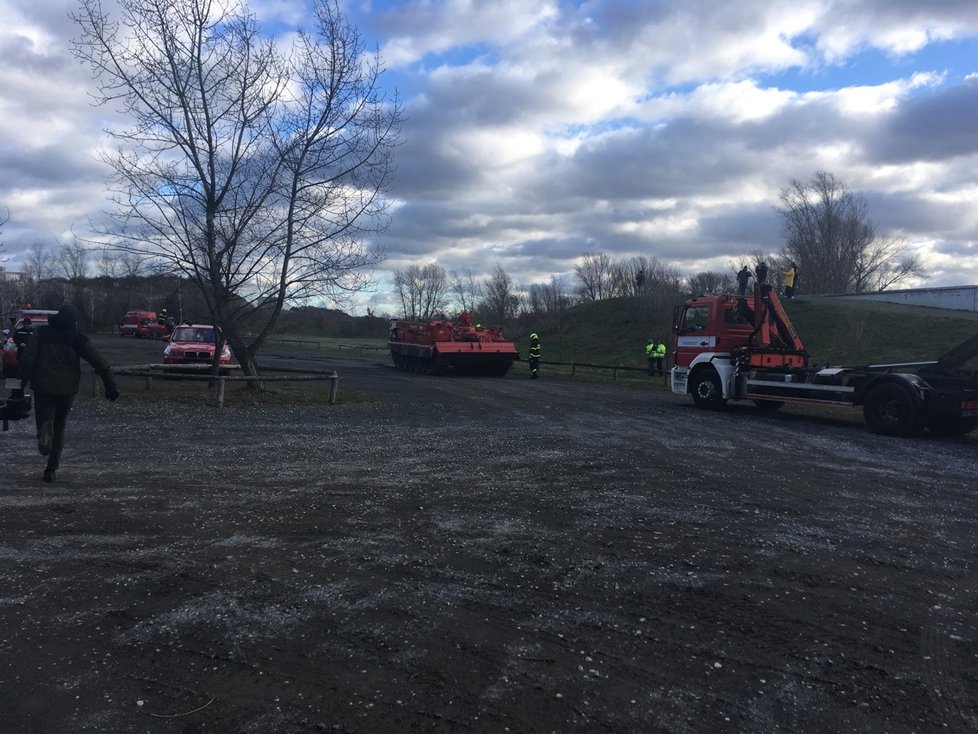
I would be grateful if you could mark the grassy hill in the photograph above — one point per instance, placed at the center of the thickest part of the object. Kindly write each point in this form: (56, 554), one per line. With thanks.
(834, 330)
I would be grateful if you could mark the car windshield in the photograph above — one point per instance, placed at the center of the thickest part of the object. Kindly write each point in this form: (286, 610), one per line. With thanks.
(193, 334)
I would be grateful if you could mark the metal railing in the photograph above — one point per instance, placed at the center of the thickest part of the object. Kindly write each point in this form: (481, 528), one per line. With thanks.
(615, 368)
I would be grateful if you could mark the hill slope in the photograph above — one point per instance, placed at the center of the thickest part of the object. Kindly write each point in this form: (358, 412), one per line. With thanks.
(835, 331)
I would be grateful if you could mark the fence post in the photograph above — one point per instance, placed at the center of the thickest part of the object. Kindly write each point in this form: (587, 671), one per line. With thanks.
(149, 383)
(332, 389)
(573, 368)
(614, 373)
(220, 392)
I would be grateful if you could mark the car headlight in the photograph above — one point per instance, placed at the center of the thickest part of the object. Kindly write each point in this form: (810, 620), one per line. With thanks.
(171, 352)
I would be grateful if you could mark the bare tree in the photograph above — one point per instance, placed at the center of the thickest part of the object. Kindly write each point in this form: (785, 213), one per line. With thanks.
(639, 276)
(886, 263)
(502, 301)
(829, 235)
(4, 218)
(423, 290)
(131, 264)
(549, 301)
(260, 175)
(71, 261)
(711, 281)
(108, 263)
(594, 272)
(466, 289)
(39, 263)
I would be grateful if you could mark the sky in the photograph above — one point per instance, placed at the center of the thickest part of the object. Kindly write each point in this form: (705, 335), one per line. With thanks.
(540, 130)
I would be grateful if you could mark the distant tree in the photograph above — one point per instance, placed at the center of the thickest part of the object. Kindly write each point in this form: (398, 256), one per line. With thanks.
(549, 299)
(423, 291)
(594, 274)
(108, 263)
(641, 275)
(466, 289)
(71, 261)
(501, 301)
(257, 173)
(4, 218)
(829, 236)
(38, 264)
(711, 281)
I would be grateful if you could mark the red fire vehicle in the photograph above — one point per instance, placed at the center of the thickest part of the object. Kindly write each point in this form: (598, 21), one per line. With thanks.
(434, 347)
(144, 325)
(38, 317)
(745, 348)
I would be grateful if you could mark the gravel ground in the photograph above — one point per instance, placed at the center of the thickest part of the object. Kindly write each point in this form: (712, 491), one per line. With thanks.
(484, 555)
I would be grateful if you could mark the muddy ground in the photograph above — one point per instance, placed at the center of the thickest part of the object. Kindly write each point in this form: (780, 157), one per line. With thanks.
(485, 555)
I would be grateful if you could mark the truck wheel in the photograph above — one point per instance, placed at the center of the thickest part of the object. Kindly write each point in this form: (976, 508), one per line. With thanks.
(953, 425)
(890, 410)
(707, 391)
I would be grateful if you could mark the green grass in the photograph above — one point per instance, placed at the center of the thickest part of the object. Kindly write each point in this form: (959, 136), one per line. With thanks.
(835, 331)
(312, 393)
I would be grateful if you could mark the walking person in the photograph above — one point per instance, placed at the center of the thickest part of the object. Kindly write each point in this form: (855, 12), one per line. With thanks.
(51, 365)
(21, 335)
(534, 355)
(789, 280)
(743, 278)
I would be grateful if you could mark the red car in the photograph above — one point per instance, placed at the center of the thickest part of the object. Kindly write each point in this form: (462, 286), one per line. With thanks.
(194, 344)
(38, 317)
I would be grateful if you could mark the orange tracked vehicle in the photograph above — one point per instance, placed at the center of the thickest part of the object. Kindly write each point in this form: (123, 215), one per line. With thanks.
(434, 347)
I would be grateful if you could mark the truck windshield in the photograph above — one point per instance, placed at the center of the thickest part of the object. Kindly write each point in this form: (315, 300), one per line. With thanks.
(695, 319)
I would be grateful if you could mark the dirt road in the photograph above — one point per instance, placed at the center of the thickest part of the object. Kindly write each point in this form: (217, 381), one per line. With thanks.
(485, 555)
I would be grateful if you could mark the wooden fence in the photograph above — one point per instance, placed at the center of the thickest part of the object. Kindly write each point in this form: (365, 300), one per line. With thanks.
(165, 372)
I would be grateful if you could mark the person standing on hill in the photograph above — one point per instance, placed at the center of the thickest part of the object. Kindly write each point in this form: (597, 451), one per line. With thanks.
(743, 278)
(534, 355)
(51, 364)
(789, 280)
(650, 355)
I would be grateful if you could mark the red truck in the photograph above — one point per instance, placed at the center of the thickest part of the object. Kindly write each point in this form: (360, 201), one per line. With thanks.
(745, 348)
(144, 325)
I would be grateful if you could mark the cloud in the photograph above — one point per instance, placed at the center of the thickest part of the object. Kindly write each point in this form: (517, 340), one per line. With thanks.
(537, 130)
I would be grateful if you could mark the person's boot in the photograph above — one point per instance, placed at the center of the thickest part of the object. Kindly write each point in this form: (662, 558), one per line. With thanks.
(45, 438)
(49, 475)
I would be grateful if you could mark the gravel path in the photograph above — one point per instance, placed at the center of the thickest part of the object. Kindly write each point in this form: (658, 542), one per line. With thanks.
(484, 555)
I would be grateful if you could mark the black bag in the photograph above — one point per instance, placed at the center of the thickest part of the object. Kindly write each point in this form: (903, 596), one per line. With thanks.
(14, 409)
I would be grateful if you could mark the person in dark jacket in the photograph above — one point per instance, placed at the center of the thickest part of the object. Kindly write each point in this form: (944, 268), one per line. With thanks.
(743, 278)
(51, 365)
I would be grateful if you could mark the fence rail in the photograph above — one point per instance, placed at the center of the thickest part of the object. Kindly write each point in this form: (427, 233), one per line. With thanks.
(320, 343)
(615, 368)
(151, 371)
